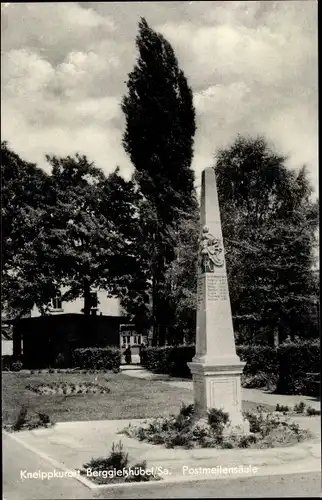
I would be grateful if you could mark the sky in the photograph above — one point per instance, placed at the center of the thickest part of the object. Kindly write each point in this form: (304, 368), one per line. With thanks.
(252, 67)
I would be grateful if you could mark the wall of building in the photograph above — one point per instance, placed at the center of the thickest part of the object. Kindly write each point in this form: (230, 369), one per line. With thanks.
(6, 348)
(106, 306)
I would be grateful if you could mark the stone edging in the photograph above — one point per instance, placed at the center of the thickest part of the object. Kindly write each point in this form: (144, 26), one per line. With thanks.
(307, 459)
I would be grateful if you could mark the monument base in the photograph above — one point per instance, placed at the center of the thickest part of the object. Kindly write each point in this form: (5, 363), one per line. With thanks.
(218, 386)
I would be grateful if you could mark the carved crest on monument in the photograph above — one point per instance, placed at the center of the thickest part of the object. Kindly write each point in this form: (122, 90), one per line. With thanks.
(211, 252)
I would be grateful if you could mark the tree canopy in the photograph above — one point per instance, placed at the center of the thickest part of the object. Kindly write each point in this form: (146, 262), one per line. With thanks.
(159, 134)
(269, 225)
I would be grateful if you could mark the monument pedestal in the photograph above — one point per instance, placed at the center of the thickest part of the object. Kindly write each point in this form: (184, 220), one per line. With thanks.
(219, 386)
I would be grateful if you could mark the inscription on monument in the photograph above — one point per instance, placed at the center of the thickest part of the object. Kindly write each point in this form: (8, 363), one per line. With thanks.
(200, 292)
(217, 288)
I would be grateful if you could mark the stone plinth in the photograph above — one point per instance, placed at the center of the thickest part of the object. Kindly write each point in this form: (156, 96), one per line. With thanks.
(218, 386)
(216, 368)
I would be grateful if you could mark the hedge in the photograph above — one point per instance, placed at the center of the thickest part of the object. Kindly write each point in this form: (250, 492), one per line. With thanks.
(258, 358)
(290, 362)
(97, 358)
(170, 360)
(296, 360)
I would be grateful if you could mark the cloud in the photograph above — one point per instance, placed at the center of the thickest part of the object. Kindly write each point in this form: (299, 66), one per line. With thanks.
(252, 67)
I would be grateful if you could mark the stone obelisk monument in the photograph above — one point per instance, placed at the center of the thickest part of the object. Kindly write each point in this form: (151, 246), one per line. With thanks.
(216, 368)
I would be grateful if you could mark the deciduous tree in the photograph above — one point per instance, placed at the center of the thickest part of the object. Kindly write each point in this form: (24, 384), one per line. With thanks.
(269, 226)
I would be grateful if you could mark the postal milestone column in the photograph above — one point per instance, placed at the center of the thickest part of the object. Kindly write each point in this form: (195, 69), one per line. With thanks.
(216, 369)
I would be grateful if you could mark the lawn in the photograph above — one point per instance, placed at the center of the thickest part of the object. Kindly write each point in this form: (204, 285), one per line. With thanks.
(128, 398)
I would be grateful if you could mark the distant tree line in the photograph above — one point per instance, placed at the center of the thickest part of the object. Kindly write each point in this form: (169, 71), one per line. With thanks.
(76, 228)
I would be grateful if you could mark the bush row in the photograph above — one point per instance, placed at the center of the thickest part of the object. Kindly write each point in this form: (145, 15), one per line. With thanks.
(97, 358)
(289, 363)
(92, 358)
(171, 360)
(295, 361)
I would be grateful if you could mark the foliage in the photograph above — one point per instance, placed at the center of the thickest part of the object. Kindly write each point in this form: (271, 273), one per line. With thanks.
(282, 408)
(259, 380)
(44, 419)
(90, 227)
(183, 430)
(67, 388)
(28, 276)
(272, 427)
(217, 419)
(24, 421)
(60, 360)
(16, 366)
(115, 468)
(269, 224)
(69, 231)
(97, 358)
(180, 284)
(284, 368)
(6, 361)
(171, 360)
(160, 127)
(20, 420)
(312, 412)
(258, 358)
(300, 407)
(295, 361)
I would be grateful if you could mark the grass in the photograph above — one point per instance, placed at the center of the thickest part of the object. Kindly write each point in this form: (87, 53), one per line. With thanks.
(129, 397)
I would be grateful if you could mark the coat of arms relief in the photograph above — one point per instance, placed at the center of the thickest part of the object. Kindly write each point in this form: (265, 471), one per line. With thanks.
(211, 252)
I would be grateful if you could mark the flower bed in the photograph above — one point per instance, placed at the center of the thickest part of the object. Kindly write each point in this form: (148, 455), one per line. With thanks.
(68, 389)
(184, 430)
(115, 468)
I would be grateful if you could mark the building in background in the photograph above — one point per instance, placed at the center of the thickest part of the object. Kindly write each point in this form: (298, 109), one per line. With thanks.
(101, 305)
(129, 337)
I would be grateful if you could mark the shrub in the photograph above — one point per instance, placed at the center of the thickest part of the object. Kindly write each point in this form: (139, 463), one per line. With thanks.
(217, 420)
(16, 366)
(187, 410)
(284, 368)
(281, 408)
(312, 411)
(106, 467)
(262, 422)
(21, 419)
(299, 408)
(247, 441)
(284, 434)
(261, 379)
(295, 361)
(267, 430)
(60, 361)
(6, 361)
(258, 358)
(97, 358)
(170, 360)
(44, 419)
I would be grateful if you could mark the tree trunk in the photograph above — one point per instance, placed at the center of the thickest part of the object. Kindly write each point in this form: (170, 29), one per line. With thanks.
(87, 299)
